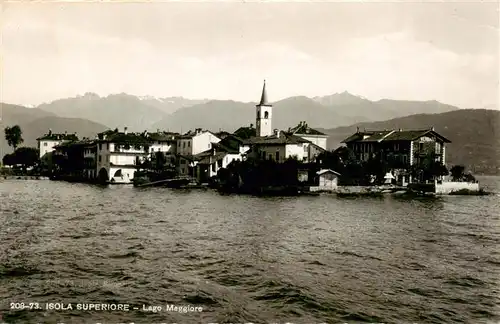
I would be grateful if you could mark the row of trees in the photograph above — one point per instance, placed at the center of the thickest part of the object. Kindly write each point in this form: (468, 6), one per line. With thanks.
(256, 173)
(23, 157)
(355, 172)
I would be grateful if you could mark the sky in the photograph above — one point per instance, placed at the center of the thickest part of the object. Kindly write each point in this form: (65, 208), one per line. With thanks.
(220, 50)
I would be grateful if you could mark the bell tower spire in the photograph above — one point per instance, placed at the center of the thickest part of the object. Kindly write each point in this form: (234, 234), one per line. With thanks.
(264, 115)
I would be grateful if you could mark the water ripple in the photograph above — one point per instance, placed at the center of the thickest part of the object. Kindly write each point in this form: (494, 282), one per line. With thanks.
(247, 259)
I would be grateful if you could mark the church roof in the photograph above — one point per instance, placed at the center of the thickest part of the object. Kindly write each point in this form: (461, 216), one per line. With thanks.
(263, 99)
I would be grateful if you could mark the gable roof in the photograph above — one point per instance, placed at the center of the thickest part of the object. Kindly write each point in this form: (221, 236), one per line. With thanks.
(245, 132)
(392, 135)
(58, 137)
(283, 139)
(323, 171)
(303, 129)
(367, 136)
(196, 132)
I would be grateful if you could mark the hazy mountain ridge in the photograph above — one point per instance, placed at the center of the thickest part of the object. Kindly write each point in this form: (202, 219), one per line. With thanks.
(352, 105)
(35, 122)
(148, 112)
(475, 135)
(115, 110)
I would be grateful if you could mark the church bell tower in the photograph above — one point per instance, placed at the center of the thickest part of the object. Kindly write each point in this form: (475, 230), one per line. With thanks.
(264, 115)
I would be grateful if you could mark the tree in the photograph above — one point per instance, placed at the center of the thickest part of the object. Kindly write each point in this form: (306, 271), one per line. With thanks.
(24, 156)
(457, 172)
(14, 136)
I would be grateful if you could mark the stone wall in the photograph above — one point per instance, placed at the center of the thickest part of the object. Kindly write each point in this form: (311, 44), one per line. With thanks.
(449, 187)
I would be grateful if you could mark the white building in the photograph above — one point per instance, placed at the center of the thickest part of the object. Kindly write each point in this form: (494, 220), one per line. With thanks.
(312, 135)
(118, 153)
(189, 146)
(195, 142)
(279, 147)
(48, 142)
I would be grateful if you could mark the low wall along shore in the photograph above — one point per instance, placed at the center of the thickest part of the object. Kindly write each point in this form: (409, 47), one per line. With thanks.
(450, 187)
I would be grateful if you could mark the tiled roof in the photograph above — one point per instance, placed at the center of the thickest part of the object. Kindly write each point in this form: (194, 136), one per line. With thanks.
(245, 132)
(304, 129)
(283, 139)
(58, 137)
(212, 158)
(226, 148)
(136, 138)
(83, 142)
(367, 136)
(392, 135)
(191, 133)
(162, 136)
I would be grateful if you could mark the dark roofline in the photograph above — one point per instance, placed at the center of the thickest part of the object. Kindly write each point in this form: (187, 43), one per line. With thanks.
(352, 138)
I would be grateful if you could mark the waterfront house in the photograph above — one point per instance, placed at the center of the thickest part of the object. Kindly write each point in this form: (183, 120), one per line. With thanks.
(76, 159)
(278, 147)
(403, 148)
(189, 148)
(119, 153)
(48, 142)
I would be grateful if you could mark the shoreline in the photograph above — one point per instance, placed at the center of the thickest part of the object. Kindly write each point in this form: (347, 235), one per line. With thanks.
(340, 191)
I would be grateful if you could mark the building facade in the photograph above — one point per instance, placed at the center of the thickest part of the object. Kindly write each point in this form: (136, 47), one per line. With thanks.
(312, 135)
(403, 148)
(48, 142)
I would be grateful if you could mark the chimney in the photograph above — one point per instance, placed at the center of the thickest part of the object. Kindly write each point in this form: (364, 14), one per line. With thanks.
(432, 128)
(251, 125)
(357, 129)
(65, 132)
(50, 131)
(145, 133)
(399, 130)
(125, 130)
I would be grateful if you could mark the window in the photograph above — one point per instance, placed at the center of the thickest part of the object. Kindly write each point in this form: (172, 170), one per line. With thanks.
(270, 156)
(100, 158)
(421, 146)
(263, 155)
(396, 147)
(100, 146)
(258, 114)
(266, 114)
(213, 167)
(277, 155)
(183, 144)
(189, 144)
(107, 146)
(45, 144)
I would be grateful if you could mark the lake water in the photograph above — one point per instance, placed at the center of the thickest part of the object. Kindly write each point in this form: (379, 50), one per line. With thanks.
(247, 259)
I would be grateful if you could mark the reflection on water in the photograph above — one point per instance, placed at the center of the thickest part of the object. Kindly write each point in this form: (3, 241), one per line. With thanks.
(303, 260)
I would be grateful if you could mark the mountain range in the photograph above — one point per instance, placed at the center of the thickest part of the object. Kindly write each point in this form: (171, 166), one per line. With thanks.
(90, 113)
